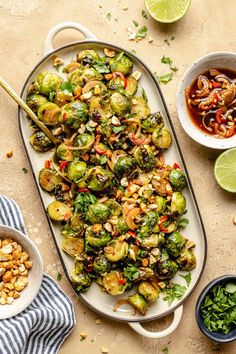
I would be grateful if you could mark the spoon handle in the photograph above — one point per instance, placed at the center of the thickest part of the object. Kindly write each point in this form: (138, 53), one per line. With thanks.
(30, 113)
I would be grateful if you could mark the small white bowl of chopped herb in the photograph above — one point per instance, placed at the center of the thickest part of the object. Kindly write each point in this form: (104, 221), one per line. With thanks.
(216, 309)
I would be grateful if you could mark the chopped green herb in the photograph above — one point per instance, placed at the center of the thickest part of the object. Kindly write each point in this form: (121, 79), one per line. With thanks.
(133, 51)
(100, 66)
(51, 96)
(119, 129)
(144, 14)
(230, 288)
(164, 78)
(135, 23)
(182, 223)
(169, 61)
(108, 16)
(59, 276)
(103, 159)
(142, 32)
(175, 291)
(83, 201)
(131, 272)
(66, 86)
(166, 41)
(144, 95)
(24, 170)
(165, 350)
(172, 38)
(187, 278)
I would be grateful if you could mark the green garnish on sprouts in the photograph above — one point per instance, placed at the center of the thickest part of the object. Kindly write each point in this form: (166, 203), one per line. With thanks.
(173, 292)
(182, 223)
(164, 78)
(165, 350)
(144, 95)
(187, 278)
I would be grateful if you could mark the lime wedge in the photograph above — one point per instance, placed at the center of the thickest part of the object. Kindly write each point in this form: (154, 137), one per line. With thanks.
(225, 170)
(167, 11)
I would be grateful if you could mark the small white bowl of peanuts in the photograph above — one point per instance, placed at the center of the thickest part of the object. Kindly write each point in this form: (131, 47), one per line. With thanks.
(21, 272)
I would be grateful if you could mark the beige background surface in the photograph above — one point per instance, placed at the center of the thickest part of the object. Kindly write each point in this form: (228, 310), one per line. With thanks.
(208, 26)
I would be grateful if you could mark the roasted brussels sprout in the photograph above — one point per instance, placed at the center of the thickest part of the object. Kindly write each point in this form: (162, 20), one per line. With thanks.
(178, 203)
(120, 104)
(152, 122)
(96, 236)
(61, 98)
(140, 108)
(34, 101)
(187, 260)
(59, 211)
(161, 138)
(80, 278)
(62, 193)
(76, 170)
(121, 63)
(84, 140)
(40, 142)
(166, 269)
(74, 246)
(90, 74)
(116, 250)
(145, 158)
(138, 302)
(149, 222)
(49, 113)
(88, 56)
(73, 114)
(49, 179)
(112, 284)
(64, 153)
(98, 213)
(124, 166)
(149, 241)
(99, 109)
(98, 178)
(148, 291)
(132, 86)
(75, 77)
(74, 227)
(114, 207)
(122, 226)
(175, 243)
(101, 265)
(161, 204)
(116, 84)
(177, 180)
(47, 82)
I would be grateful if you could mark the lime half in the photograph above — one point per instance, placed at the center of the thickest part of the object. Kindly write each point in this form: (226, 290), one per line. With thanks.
(167, 11)
(225, 170)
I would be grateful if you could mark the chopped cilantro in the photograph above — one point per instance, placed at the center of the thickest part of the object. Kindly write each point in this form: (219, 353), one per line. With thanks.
(59, 276)
(131, 272)
(165, 350)
(164, 78)
(182, 223)
(103, 159)
(24, 170)
(108, 16)
(133, 51)
(175, 291)
(166, 41)
(83, 201)
(142, 32)
(187, 278)
(67, 86)
(119, 129)
(144, 14)
(135, 23)
(169, 61)
(144, 95)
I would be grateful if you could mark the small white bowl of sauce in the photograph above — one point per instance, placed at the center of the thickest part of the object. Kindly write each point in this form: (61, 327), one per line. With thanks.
(206, 100)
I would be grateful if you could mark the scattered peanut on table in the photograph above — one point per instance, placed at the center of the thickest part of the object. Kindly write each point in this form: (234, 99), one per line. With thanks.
(14, 268)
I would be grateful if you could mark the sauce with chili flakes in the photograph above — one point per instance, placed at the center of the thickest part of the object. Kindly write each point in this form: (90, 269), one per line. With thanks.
(211, 102)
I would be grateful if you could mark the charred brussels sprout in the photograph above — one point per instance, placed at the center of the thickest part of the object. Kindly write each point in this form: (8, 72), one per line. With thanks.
(149, 241)
(99, 109)
(73, 114)
(161, 138)
(175, 243)
(49, 179)
(187, 260)
(140, 108)
(74, 227)
(119, 104)
(166, 269)
(64, 153)
(177, 180)
(47, 82)
(124, 166)
(178, 203)
(138, 302)
(98, 213)
(116, 250)
(49, 113)
(80, 278)
(132, 86)
(76, 170)
(75, 77)
(40, 142)
(145, 158)
(90, 74)
(96, 236)
(116, 84)
(111, 283)
(121, 63)
(148, 291)
(101, 265)
(74, 246)
(122, 226)
(59, 211)
(161, 204)
(152, 122)
(35, 101)
(83, 140)
(98, 179)
(61, 98)
(149, 221)
(88, 56)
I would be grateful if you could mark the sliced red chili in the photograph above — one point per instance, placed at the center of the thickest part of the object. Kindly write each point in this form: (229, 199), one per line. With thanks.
(117, 73)
(83, 190)
(231, 132)
(89, 269)
(176, 166)
(64, 116)
(63, 164)
(218, 116)
(67, 216)
(47, 164)
(131, 233)
(163, 219)
(122, 281)
(215, 84)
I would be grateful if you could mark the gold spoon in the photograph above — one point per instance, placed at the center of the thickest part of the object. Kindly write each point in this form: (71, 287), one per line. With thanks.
(27, 110)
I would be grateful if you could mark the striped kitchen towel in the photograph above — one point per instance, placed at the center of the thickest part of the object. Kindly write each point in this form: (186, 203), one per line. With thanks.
(48, 320)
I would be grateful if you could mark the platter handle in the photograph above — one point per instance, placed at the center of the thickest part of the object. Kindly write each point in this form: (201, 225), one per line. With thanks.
(48, 47)
(157, 335)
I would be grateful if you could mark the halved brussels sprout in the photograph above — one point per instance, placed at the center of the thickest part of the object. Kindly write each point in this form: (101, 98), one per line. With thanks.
(152, 122)
(47, 82)
(73, 114)
(88, 56)
(178, 203)
(145, 158)
(187, 260)
(75, 77)
(84, 139)
(149, 221)
(150, 241)
(74, 246)
(161, 204)
(161, 138)
(122, 226)
(62, 193)
(101, 265)
(74, 227)
(80, 278)
(116, 84)
(121, 63)
(35, 101)
(49, 113)
(59, 211)
(90, 74)
(61, 98)
(175, 243)
(132, 86)
(98, 178)
(49, 179)
(64, 153)
(111, 283)
(140, 108)
(166, 269)
(99, 109)
(114, 207)
(98, 213)
(138, 302)
(177, 180)
(116, 250)
(120, 104)
(96, 236)
(124, 166)
(40, 142)
(76, 170)
(148, 291)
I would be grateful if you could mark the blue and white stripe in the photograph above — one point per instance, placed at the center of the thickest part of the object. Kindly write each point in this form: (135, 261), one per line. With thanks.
(48, 320)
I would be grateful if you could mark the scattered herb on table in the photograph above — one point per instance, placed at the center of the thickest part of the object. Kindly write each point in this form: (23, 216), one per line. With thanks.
(169, 61)
(24, 170)
(144, 95)
(108, 16)
(165, 350)
(142, 32)
(174, 291)
(135, 23)
(219, 308)
(164, 78)
(187, 278)
(59, 276)
(167, 41)
(133, 51)
(144, 14)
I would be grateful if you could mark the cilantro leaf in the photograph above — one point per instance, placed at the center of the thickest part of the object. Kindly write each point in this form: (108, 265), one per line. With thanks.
(165, 350)
(135, 23)
(166, 41)
(131, 272)
(59, 276)
(144, 95)
(119, 129)
(164, 78)
(103, 159)
(83, 201)
(144, 14)
(67, 86)
(169, 61)
(187, 278)
(24, 170)
(182, 223)
(142, 32)
(173, 292)
(108, 16)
